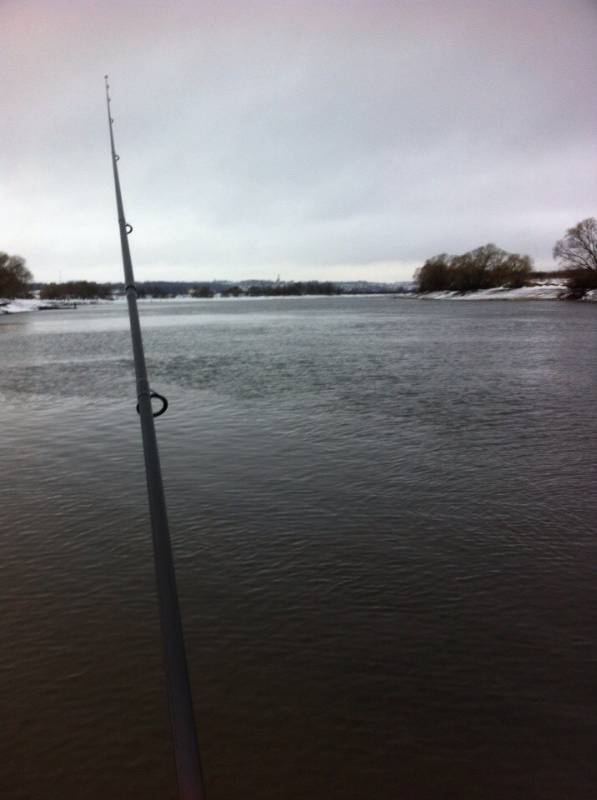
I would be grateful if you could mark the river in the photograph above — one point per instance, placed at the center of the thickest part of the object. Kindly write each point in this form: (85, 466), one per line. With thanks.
(383, 515)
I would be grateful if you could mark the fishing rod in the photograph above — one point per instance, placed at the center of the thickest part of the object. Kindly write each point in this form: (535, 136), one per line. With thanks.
(182, 721)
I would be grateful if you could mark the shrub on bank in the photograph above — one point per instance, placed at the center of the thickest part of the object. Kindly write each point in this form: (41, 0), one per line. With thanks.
(581, 281)
(484, 268)
(204, 291)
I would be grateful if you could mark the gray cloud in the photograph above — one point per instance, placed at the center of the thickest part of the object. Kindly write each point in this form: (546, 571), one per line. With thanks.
(316, 139)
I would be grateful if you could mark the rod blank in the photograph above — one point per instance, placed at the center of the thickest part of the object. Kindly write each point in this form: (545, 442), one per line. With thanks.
(186, 751)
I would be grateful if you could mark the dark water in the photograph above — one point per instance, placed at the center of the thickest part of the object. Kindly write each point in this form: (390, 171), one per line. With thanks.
(383, 514)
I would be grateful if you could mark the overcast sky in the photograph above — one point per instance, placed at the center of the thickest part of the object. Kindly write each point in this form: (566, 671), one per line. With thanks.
(331, 139)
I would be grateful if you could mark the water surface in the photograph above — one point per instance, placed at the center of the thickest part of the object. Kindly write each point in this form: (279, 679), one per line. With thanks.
(383, 517)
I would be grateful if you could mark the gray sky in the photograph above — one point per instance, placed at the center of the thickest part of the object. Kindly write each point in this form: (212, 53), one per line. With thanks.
(338, 139)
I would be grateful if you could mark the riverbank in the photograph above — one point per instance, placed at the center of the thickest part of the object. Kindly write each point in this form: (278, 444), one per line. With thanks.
(18, 306)
(21, 305)
(546, 291)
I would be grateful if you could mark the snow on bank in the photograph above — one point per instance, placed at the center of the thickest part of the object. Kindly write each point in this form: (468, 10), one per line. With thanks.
(546, 291)
(18, 306)
(34, 304)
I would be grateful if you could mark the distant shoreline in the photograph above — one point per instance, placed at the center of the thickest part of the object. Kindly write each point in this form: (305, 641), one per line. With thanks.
(548, 291)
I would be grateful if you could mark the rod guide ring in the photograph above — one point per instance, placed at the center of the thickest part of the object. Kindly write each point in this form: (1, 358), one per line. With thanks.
(161, 397)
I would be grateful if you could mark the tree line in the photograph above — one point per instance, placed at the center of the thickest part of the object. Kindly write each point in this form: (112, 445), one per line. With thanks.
(489, 266)
(483, 268)
(290, 289)
(75, 290)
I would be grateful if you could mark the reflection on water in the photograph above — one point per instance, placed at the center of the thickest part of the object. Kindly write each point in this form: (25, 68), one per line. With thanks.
(384, 532)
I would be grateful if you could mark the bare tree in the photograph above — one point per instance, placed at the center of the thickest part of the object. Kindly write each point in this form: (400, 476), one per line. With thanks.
(578, 249)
